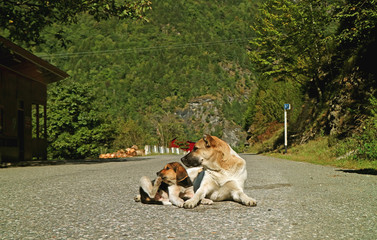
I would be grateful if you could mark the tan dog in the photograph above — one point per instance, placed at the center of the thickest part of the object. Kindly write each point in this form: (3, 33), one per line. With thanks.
(224, 176)
(171, 186)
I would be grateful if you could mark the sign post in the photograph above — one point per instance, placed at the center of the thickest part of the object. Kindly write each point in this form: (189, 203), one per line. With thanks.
(287, 106)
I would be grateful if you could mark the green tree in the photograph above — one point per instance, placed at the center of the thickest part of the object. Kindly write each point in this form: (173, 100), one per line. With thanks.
(75, 129)
(169, 127)
(292, 41)
(357, 37)
(131, 133)
(24, 20)
(358, 21)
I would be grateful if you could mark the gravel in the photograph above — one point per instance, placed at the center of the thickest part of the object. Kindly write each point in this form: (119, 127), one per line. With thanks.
(95, 201)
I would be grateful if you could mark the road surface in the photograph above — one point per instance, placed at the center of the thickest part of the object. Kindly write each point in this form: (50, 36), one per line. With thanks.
(95, 201)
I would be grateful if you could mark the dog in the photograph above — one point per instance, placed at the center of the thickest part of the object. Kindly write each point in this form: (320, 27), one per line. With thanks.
(172, 186)
(224, 173)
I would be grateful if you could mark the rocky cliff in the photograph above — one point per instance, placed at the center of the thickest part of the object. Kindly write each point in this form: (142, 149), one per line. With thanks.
(206, 115)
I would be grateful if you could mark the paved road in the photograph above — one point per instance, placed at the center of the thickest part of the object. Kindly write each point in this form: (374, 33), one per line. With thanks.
(95, 201)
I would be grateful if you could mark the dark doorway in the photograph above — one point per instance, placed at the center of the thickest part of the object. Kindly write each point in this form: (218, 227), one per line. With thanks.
(21, 134)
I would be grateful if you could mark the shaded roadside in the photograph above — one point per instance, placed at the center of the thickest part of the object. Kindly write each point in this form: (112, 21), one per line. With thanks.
(37, 163)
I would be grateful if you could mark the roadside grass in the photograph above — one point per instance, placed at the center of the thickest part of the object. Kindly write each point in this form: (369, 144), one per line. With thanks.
(318, 152)
(267, 145)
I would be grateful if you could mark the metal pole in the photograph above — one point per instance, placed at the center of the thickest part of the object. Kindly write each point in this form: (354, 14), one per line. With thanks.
(285, 131)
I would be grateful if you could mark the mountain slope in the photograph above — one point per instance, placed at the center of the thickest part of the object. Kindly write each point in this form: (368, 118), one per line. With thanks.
(149, 71)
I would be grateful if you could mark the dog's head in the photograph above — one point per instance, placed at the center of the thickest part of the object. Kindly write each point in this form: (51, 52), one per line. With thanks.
(173, 173)
(207, 152)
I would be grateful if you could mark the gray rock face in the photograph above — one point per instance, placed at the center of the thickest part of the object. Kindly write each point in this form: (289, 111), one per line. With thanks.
(205, 114)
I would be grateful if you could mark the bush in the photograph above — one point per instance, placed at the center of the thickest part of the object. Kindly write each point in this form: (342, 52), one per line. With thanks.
(75, 129)
(367, 141)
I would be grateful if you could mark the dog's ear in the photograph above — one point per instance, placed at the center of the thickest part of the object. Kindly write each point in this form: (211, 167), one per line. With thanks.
(210, 142)
(180, 171)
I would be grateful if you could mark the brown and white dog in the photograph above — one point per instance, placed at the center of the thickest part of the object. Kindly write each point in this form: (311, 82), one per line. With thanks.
(224, 173)
(172, 186)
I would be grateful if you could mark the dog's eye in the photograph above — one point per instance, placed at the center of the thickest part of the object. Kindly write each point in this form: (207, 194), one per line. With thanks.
(195, 148)
(167, 168)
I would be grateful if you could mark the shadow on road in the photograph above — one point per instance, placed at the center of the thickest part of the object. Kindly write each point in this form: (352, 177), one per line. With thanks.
(74, 161)
(365, 171)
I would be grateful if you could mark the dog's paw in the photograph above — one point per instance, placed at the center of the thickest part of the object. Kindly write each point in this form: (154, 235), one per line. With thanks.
(250, 202)
(206, 201)
(137, 198)
(191, 203)
(157, 181)
(166, 203)
(179, 203)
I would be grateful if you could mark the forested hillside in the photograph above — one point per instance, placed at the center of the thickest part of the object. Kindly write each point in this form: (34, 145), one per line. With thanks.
(219, 67)
(324, 49)
(130, 80)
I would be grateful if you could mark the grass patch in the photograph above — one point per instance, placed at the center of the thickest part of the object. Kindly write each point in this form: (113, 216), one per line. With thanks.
(265, 145)
(318, 152)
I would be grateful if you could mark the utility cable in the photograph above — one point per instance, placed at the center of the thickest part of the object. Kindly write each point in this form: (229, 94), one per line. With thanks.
(139, 49)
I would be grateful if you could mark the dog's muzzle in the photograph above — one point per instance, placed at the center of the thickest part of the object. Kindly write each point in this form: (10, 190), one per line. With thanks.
(190, 161)
(184, 160)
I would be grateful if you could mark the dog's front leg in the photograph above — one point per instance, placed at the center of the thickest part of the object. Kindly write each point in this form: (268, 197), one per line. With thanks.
(201, 193)
(174, 196)
(241, 197)
(189, 193)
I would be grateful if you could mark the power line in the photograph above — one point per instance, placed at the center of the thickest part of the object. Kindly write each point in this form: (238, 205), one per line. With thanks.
(139, 49)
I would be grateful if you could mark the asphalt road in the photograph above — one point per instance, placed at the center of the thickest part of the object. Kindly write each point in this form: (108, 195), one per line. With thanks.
(95, 201)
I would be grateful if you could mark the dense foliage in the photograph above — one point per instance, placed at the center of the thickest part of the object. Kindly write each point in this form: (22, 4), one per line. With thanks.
(76, 130)
(24, 20)
(130, 81)
(324, 49)
(367, 141)
(142, 73)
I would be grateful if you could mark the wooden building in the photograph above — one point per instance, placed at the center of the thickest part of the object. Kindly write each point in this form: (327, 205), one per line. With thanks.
(23, 97)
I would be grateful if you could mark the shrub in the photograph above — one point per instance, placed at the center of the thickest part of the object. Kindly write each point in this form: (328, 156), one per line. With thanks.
(367, 141)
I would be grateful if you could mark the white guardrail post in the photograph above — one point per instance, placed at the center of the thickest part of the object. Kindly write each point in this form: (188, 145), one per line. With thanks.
(162, 150)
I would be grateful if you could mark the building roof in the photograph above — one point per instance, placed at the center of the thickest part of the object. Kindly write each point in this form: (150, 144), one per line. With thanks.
(17, 59)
